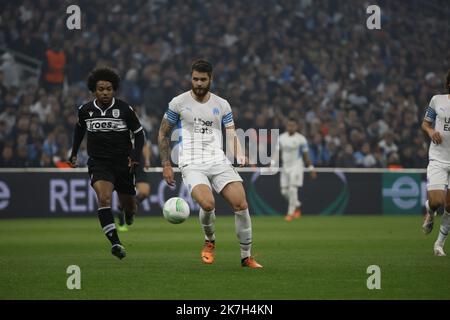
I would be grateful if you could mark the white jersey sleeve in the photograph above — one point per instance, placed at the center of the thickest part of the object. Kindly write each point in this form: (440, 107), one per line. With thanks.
(173, 112)
(430, 114)
(227, 115)
(303, 146)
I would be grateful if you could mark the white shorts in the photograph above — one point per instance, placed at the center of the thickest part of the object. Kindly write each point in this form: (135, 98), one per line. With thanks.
(216, 175)
(291, 177)
(437, 175)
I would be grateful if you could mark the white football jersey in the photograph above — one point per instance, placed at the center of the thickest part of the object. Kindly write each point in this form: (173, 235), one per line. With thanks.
(292, 149)
(200, 128)
(439, 113)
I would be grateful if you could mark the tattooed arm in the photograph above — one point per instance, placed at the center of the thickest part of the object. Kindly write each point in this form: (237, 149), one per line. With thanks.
(164, 151)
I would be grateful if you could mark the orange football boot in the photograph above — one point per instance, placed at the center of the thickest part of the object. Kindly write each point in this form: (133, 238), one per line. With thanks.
(289, 217)
(208, 252)
(251, 263)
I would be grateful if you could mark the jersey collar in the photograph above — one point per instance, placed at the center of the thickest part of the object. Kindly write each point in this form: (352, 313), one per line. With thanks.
(103, 112)
(192, 96)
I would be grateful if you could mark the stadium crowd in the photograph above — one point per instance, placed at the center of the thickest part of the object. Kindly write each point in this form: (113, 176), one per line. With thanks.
(359, 95)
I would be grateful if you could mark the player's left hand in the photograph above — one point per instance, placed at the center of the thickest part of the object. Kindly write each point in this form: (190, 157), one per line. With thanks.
(313, 174)
(132, 165)
(72, 162)
(242, 161)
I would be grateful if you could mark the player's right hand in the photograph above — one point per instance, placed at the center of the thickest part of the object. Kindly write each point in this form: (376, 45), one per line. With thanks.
(72, 162)
(242, 161)
(146, 164)
(168, 175)
(132, 165)
(436, 137)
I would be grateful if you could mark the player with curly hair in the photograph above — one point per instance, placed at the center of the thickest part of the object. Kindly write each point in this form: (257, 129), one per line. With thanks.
(109, 123)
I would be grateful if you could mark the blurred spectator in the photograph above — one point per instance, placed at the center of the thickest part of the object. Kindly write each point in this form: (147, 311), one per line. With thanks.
(11, 70)
(50, 146)
(318, 152)
(130, 88)
(346, 158)
(3, 131)
(365, 158)
(41, 107)
(393, 161)
(420, 158)
(7, 158)
(387, 145)
(46, 161)
(8, 117)
(407, 158)
(54, 67)
(333, 151)
(3, 90)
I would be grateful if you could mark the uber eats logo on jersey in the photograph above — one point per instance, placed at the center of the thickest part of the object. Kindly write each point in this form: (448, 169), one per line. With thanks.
(447, 124)
(202, 126)
(403, 193)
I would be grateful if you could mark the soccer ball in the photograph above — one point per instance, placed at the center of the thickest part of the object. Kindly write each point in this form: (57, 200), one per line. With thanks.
(176, 210)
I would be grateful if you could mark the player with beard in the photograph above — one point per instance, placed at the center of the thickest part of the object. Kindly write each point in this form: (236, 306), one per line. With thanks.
(200, 115)
(435, 125)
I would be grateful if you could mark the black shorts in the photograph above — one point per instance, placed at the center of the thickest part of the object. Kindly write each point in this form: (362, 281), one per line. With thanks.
(141, 176)
(115, 171)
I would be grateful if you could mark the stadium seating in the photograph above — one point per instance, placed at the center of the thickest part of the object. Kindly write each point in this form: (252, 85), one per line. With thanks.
(358, 94)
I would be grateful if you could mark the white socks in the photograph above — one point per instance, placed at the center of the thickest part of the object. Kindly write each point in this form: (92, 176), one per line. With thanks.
(291, 195)
(243, 225)
(443, 230)
(244, 232)
(293, 200)
(285, 193)
(207, 219)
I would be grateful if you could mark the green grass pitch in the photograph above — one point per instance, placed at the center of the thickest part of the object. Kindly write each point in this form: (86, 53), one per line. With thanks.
(309, 258)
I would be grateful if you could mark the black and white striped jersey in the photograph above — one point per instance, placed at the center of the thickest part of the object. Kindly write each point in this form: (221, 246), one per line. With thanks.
(108, 129)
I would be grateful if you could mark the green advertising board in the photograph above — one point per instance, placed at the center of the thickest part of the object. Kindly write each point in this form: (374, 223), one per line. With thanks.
(402, 193)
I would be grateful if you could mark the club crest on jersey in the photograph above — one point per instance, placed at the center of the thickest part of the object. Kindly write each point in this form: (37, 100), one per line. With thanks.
(90, 113)
(216, 111)
(116, 113)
